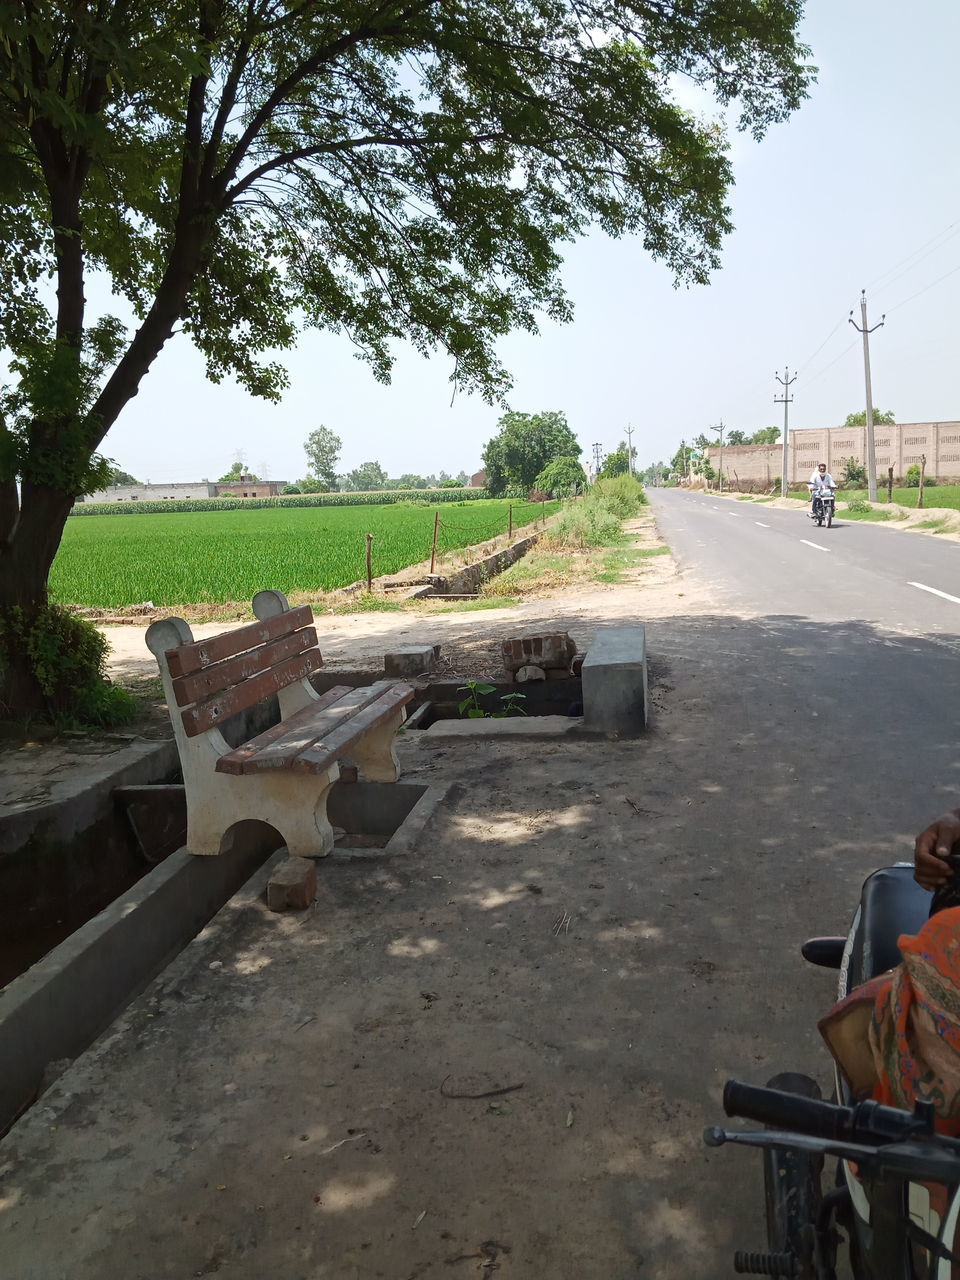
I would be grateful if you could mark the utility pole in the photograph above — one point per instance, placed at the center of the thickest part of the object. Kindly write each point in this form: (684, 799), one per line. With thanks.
(629, 450)
(720, 430)
(786, 382)
(866, 331)
(596, 447)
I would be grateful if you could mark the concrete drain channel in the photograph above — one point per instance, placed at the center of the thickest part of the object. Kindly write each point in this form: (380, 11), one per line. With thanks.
(56, 1004)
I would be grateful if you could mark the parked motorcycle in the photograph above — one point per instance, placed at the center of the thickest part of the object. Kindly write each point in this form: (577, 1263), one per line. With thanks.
(824, 507)
(894, 1189)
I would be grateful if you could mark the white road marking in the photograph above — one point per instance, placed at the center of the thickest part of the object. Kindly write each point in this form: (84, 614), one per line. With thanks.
(761, 524)
(734, 514)
(934, 592)
(815, 545)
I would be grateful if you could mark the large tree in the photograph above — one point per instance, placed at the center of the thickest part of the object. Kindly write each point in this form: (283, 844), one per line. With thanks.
(389, 169)
(322, 447)
(523, 446)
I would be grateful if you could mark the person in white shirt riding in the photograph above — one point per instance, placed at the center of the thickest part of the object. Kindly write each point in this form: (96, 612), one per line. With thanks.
(819, 483)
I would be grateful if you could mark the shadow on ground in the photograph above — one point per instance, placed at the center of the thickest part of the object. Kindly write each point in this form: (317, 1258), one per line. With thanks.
(593, 936)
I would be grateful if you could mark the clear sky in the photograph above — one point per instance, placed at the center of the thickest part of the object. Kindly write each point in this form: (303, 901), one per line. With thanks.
(859, 189)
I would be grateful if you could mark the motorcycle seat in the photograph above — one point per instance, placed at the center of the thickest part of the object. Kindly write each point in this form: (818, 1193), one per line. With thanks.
(891, 904)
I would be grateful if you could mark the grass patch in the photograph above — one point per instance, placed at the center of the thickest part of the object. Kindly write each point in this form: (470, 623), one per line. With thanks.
(744, 497)
(875, 514)
(936, 525)
(617, 560)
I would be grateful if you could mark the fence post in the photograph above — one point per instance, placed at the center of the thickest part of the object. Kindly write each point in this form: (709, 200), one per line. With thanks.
(436, 530)
(889, 484)
(369, 562)
(510, 521)
(923, 468)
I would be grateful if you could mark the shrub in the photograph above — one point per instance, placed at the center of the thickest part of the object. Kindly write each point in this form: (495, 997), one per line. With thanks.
(623, 494)
(859, 507)
(854, 473)
(912, 480)
(591, 523)
(68, 656)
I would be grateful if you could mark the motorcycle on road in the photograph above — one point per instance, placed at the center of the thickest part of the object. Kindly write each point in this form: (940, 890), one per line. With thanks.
(824, 507)
(892, 1183)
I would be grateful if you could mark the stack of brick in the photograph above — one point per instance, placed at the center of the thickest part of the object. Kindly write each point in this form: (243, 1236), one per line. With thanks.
(550, 657)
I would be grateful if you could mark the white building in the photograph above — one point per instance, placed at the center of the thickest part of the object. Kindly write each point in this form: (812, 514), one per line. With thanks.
(152, 492)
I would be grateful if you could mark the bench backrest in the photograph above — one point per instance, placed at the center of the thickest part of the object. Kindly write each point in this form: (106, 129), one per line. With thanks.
(216, 678)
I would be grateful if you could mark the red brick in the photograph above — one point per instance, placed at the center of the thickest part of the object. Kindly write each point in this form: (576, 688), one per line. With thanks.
(292, 885)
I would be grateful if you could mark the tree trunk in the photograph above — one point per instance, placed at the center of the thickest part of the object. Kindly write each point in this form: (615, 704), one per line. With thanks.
(25, 562)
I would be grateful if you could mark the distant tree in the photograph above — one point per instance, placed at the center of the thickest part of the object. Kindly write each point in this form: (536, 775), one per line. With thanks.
(618, 462)
(443, 479)
(462, 479)
(766, 435)
(368, 476)
(238, 470)
(736, 437)
(291, 488)
(881, 418)
(410, 481)
(656, 473)
(524, 445)
(322, 448)
(450, 483)
(430, 482)
(121, 477)
(563, 477)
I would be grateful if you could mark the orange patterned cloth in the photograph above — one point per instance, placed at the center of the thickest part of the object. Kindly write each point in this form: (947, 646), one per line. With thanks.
(915, 1025)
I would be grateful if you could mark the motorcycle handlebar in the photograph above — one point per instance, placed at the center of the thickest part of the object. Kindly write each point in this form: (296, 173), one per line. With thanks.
(864, 1122)
(787, 1111)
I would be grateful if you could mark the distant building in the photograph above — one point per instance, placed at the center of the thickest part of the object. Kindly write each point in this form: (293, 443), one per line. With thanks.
(900, 446)
(152, 492)
(242, 488)
(247, 487)
(478, 480)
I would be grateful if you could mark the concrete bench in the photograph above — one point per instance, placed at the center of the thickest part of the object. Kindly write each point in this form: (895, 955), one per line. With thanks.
(282, 776)
(614, 680)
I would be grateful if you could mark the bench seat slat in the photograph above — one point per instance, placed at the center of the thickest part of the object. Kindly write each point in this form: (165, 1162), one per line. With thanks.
(322, 754)
(210, 680)
(280, 752)
(188, 658)
(234, 761)
(215, 710)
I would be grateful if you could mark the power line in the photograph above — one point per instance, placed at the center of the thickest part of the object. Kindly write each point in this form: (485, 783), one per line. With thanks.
(951, 272)
(953, 228)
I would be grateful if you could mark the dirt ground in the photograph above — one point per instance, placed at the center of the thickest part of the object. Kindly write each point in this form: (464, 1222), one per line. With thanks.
(494, 1056)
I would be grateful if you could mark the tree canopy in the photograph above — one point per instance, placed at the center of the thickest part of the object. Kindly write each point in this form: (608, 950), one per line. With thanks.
(523, 446)
(618, 462)
(369, 475)
(392, 170)
(563, 477)
(881, 418)
(322, 448)
(237, 472)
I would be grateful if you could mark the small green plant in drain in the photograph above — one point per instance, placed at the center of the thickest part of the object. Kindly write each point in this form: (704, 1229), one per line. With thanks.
(475, 689)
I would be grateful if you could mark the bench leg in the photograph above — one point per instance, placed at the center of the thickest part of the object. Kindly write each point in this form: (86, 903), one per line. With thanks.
(374, 752)
(295, 805)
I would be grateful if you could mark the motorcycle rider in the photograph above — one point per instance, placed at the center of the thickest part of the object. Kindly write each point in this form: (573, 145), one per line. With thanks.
(820, 482)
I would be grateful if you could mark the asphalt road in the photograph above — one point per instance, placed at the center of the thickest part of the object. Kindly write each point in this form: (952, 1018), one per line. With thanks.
(773, 560)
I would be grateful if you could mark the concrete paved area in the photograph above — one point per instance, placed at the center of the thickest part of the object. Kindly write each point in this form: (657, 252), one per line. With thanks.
(613, 927)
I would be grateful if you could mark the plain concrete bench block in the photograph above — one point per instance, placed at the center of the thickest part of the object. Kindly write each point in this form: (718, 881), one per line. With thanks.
(413, 660)
(614, 677)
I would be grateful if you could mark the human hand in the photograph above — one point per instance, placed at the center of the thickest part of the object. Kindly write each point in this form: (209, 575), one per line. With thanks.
(932, 845)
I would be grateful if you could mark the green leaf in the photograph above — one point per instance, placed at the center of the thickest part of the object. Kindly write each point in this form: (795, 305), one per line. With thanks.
(484, 688)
